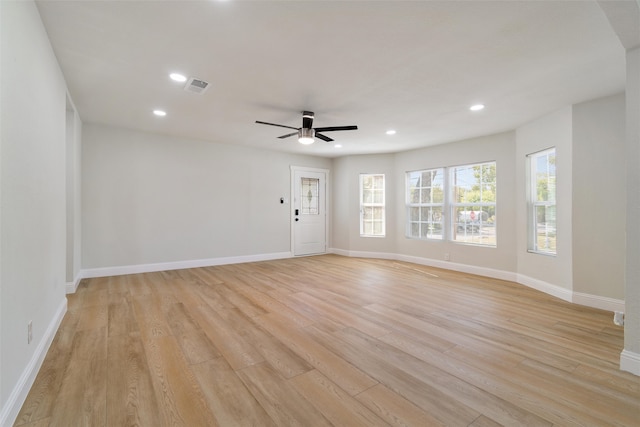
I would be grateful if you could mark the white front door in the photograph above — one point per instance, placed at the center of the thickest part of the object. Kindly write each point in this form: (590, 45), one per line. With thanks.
(309, 211)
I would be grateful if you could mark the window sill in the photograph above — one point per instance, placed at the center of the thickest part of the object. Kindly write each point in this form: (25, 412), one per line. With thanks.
(549, 254)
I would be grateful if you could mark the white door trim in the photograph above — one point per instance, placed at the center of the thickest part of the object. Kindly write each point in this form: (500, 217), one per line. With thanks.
(327, 196)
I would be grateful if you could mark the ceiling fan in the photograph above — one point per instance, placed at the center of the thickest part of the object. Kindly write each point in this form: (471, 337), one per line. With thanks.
(307, 133)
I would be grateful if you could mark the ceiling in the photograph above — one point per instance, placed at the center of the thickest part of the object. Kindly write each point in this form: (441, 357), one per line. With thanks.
(414, 66)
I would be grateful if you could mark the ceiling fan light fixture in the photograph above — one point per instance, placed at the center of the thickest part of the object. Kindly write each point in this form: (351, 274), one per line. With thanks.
(306, 136)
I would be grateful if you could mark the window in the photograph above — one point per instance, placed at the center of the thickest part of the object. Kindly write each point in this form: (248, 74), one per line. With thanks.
(372, 217)
(473, 204)
(453, 203)
(425, 204)
(309, 196)
(542, 201)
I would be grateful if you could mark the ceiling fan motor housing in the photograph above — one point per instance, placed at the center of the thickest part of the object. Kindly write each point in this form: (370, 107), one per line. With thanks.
(307, 119)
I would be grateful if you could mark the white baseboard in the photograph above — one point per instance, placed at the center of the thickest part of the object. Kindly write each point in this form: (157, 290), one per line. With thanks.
(594, 301)
(71, 287)
(630, 362)
(363, 254)
(179, 265)
(548, 288)
(447, 265)
(463, 268)
(21, 390)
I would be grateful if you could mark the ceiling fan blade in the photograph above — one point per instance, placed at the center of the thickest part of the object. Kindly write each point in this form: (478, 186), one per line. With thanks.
(288, 135)
(274, 124)
(323, 137)
(307, 119)
(332, 128)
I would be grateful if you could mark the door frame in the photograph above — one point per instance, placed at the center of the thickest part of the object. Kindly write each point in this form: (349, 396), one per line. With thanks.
(293, 170)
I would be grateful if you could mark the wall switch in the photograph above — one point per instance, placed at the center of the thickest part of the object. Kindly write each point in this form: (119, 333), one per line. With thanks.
(29, 331)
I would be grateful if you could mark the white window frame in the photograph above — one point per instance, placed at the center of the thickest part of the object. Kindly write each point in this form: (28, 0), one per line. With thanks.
(533, 204)
(420, 205)
(365, 205)
(476, 221)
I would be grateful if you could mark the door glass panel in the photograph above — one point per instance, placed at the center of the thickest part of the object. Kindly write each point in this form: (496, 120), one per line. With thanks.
(309, 196)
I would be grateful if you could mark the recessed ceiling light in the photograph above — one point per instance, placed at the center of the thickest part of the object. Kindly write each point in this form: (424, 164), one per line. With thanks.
(159, 113)
(391, 132)
(338, 146)
(178, 77)
(476, 107)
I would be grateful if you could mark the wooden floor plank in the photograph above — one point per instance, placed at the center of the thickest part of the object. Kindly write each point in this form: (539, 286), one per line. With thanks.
(179, 396)
(328, 340)
(271, 305)
(237, 349)
(130, 396)
(334, 403)
(395, 409)
(150, 315)
(191, 339)
(229, 399)
(348, 318)
(500, 377)
(445, 409)
(342, 372)
(281, 401)
(483, 421)
(121, 318)
(82, 398)
(43, 422)
(448, 383)
(281, 358)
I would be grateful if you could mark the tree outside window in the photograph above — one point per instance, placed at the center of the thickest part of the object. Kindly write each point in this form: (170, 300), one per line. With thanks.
(473, 205)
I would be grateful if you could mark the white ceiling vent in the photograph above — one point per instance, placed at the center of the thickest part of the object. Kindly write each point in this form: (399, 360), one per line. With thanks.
(196, 85)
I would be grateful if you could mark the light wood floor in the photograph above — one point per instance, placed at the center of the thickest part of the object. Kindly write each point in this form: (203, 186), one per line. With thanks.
(329, 341)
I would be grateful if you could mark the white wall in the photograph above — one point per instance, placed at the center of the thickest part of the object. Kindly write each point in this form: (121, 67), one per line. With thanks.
(630, 359)
(149, 199)
(499, 148)
(599, 194)
(624, 18)
(346, 233)
(341, 209)
(552, 130)
(588, 267)
(32, 195)
(2, 399)
(346, 203)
